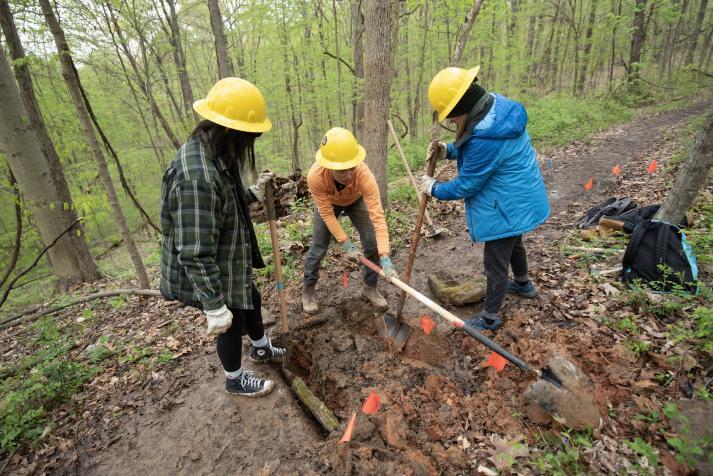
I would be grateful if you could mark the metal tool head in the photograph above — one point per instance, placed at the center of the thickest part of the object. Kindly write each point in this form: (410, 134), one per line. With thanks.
(434, 231)
(391, 328)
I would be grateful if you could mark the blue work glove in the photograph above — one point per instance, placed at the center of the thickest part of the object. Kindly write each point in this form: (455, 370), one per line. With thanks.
(427, 184)
(350, 251)
(388, 267)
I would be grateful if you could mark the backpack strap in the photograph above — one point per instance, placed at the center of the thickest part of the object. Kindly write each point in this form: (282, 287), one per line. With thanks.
(634, 243)
(661, 243)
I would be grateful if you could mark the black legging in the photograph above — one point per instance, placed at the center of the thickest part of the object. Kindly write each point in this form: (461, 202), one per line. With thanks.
(230, 343)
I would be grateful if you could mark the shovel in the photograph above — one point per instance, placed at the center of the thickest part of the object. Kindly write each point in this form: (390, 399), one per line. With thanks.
(433, 231)
(560, 388)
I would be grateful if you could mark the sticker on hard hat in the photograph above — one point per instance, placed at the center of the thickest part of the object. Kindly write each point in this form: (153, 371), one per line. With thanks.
(324, 140)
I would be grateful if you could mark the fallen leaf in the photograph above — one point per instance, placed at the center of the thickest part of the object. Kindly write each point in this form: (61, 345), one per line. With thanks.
(507, 451)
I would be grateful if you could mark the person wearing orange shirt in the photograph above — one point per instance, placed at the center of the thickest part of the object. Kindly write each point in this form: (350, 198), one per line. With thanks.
(342, 184)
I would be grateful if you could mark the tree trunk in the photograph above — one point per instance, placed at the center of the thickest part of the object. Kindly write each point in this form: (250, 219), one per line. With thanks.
(358, 88)
(225, 66)
(510, 40)
(464, 32)
(25, 156)
(73, 83)
(342, 113)
(81, 265)
(697, 30)
(691, 177)
(581, 78)
(638, 36)
(613, 47)
(381, 25)
(180, 58)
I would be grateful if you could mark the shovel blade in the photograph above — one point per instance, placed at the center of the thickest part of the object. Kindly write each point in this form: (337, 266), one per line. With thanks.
(394, 329)
(567, 394)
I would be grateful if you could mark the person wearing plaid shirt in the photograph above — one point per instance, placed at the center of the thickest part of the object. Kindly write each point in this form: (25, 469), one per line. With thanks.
(209, 246)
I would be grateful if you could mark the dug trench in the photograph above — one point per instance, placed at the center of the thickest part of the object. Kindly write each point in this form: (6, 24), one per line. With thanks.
(441, 410)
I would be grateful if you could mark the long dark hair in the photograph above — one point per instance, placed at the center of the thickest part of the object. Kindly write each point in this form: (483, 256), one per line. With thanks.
(235, 148)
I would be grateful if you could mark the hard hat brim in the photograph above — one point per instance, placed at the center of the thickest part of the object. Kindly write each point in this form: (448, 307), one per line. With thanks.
(472, 73)
(202, 109)
(331, 165)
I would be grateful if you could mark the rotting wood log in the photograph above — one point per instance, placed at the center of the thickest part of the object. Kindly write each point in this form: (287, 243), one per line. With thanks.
(319, 410)
(288, 189)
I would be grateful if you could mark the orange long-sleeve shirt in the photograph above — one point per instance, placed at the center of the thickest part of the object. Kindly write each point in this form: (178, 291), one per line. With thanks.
(325, 194)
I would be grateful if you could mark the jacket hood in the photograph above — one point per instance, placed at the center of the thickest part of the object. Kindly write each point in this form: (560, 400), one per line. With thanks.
(506, 120)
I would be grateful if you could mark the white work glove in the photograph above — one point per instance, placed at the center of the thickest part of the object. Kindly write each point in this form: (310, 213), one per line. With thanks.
(388, 267)
(264, 180)
(350, 251)
(440, 153)
(427, 184)
(219, 320)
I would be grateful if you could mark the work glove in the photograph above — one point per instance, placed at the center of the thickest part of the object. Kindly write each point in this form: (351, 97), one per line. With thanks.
(388, 267)
(351, 251)
(219, 320)
(427, 184)
(440, 153)
(264, 180)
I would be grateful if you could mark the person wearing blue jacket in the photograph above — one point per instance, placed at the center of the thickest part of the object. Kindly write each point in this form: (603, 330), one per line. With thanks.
(498, 178)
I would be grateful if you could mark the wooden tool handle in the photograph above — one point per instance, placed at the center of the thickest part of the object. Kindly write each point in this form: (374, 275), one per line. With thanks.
(452, 318)
(430, 169)
(271, 215)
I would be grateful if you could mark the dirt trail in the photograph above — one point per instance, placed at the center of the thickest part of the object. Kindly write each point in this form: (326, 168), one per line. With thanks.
(196, 428)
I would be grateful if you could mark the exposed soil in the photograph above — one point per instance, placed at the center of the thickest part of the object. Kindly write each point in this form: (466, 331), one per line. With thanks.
(441, 411)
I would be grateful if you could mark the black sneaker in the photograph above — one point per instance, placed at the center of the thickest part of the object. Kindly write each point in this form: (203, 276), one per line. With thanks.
(248, 385)
(267, 353)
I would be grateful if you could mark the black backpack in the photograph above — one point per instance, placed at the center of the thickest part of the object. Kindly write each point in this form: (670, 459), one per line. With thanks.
(635, 216)
(608, 208)
(656, 243)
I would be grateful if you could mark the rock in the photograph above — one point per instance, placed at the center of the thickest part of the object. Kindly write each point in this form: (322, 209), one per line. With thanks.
(695, 428)
(450, 291)
(573, 404)
(394, 430)
(420, 463)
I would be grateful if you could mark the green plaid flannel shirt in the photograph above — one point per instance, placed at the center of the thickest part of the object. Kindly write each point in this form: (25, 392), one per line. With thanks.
(206, 256)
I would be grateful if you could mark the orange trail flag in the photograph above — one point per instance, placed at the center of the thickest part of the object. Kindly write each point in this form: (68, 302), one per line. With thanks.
(372, 404)
(427, 324)
(588, 185)
(652, 167)
(350, 429)
(616, 170)
(344, 279)
(495, 361)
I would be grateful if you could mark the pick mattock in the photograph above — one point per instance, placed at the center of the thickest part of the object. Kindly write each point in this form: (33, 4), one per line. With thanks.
(433, 231)
(396, 328)
(561, 388)
(321, 413)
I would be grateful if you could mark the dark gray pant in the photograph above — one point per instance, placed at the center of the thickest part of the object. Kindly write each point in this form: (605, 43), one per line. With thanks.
(499, 256)
(321, 237)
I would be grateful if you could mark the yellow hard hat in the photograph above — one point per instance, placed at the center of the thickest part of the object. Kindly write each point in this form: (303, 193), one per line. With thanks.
(447, 87)
(339, 150)
(236, 104)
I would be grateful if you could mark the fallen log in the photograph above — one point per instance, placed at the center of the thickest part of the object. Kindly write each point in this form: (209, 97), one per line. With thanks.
(319, 410)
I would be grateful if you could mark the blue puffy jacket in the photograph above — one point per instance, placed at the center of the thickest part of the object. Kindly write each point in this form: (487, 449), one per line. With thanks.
(498, 176)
